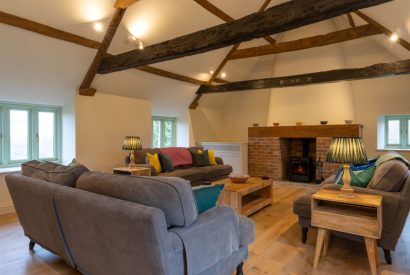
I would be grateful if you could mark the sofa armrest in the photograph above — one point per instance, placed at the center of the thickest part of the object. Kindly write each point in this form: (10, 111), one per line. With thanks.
(219, 161)
(214, 236)
(246, 231)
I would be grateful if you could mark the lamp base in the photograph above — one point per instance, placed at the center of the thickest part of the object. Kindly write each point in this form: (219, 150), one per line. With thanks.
(347, 194)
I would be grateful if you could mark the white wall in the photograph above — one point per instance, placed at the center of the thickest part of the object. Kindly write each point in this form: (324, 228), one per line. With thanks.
(102, 123)
(41, 70)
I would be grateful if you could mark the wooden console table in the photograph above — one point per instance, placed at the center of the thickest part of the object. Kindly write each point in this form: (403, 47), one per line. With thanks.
(246, 198)
(137, 171)
(361, 215)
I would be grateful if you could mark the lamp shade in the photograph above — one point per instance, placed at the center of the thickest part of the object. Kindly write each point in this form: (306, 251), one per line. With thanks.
(346, 150)
(132, 143)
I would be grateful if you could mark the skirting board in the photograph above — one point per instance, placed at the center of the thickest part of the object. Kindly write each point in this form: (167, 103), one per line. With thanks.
(6, 208)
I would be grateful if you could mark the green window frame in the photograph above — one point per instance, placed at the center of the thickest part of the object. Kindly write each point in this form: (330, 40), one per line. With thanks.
(32, 145)
(403, 137)
(163, 131)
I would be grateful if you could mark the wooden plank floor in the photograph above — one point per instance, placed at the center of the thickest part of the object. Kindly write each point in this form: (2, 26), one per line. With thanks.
(276, 250)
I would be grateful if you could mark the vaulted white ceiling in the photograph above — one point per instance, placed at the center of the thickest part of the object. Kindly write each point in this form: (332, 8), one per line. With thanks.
(153, 21)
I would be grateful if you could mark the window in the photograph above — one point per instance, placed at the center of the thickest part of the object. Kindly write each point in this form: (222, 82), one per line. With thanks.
(29, 132)
(397, 134)
(163, 132)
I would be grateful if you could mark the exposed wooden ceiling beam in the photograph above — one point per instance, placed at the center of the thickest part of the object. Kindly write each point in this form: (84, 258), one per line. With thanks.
(170, 75)
(309, 42)
(123, 4)
(274, 20)
(374, 71)
(29, 25)
(48, 31)
(198, 96)
(351, 21)
(225, 17)
(102, 51)
(382, 28)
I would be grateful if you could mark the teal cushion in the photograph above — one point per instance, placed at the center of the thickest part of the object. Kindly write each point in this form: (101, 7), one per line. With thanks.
(359, 177)
(206, 196)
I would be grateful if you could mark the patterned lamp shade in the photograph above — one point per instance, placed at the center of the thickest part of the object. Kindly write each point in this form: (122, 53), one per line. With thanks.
(132, 143)
(346, 150)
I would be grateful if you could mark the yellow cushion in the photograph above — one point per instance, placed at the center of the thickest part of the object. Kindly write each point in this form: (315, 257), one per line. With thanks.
(153, 160)
(211, 156)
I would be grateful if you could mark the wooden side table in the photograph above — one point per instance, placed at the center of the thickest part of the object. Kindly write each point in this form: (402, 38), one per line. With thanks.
(246, 198)
(137, 171)
(361, 215)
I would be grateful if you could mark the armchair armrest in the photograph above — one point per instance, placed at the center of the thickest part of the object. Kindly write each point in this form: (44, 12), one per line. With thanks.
(213, 237)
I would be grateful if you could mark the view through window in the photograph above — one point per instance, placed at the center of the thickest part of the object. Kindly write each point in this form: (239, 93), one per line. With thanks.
(163, 132)
(397, 134)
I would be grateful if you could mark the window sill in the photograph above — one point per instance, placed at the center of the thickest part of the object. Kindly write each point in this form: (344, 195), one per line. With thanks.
(10, 170)
(392, 149)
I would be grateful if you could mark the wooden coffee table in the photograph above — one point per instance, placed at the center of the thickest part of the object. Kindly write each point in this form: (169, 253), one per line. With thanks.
(246, 198)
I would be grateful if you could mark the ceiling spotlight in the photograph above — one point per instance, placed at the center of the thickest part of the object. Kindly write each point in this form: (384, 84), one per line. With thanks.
(394, 37)
(223, 75)
(140, 45)
(133, 38)
(211, 72)
(98, 27)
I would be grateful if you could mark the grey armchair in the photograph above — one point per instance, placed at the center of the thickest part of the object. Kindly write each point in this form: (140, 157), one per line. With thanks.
(115, 224)
(396, 206)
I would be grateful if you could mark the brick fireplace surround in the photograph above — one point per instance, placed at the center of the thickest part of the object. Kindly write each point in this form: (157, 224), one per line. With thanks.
(270, 147)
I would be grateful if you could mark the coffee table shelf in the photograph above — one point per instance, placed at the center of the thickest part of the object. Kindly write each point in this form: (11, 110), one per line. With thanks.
(246, 198)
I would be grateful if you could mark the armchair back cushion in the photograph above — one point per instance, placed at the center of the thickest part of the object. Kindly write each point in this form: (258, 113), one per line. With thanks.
(389, 176)
(171, 195)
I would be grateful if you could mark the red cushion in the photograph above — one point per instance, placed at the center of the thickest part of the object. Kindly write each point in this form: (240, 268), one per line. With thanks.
(178, 155)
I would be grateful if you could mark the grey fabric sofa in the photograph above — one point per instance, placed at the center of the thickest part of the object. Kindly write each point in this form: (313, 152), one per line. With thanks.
(117, 224)
(195, 175)
(396, 206)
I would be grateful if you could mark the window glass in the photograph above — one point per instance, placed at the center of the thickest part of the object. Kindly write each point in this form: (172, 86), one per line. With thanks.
(393, 134)
(168, 133)
(19, 138)
(408, 132)
(156, 133)
(46, 135)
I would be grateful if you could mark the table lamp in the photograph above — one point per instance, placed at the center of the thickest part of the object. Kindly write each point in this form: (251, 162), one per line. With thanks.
(132, 143)
(346, 150)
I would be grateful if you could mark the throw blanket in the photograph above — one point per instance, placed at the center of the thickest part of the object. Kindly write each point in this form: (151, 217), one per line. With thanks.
(178, 155)
(392, 155)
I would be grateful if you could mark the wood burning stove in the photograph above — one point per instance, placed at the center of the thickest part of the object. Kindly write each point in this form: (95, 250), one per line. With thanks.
(300, 169)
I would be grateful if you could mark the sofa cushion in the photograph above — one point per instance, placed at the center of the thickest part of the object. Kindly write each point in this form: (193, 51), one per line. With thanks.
(389, 176)
(166, 163)
(206, 196)
(215, 171)
(200, 158)
(153, 160)
(191, 174)
(53, 172)
(141, 155)
(171, 195)
(179, 155)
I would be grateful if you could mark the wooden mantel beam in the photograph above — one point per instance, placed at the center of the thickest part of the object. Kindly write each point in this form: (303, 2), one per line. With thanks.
(274, 20)
(85, 88)
(123, 4)
(374, 71)
(310, 42)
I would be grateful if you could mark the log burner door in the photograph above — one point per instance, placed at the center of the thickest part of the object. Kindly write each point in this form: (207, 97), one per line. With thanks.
(300, 169)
